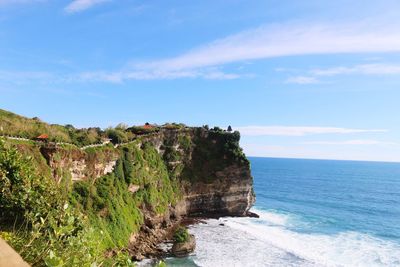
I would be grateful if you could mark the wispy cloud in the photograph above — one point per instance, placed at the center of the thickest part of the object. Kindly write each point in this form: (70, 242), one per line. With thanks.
(260, 43)
(349, 142)
(302, 80)
(363, 69)
(286, 40)
(122, 76)
(299, 130)
(315, 75)
(209, 61)
(45, 77)
(81, 5)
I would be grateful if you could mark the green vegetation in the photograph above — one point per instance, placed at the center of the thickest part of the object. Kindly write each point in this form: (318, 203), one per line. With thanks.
(174, 126)
(139, 130)
(15, 125)
(218, 150)
(185, 142)
(18, 126)
(161, 264)
(52, 221)
(181, 235)
(37, 221)
(53, 229)
(116, 211)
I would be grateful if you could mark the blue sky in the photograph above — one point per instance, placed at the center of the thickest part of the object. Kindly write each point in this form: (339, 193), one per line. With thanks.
(307, 79)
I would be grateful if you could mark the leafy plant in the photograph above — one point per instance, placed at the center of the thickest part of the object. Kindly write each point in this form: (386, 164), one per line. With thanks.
(181, 235)
(37, 221)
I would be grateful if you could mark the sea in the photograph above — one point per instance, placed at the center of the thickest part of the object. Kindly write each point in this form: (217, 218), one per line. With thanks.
(312, 213)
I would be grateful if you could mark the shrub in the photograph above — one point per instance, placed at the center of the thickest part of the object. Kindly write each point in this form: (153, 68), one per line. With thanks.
(45, 230)
(117, 136)
(181, 235)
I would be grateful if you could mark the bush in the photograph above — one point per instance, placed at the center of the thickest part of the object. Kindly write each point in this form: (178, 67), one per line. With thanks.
(181, 235)
(41, 226)
(22, 192)
(117, 136)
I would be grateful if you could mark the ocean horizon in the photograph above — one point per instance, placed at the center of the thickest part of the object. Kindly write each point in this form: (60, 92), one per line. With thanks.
(312, 213)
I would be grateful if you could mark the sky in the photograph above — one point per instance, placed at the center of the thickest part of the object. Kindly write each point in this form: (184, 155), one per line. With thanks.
(299, 79)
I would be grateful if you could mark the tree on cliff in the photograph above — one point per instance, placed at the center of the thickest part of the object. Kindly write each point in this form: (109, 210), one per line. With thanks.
(229, 128)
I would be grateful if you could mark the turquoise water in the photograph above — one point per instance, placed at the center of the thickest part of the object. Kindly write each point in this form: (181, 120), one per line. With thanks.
(312, 213)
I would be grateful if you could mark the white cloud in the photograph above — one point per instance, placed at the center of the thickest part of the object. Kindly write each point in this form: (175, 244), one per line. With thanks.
(299, 130)
(119, 77)
(349, 142)
(81, 5)
(302, 80)
(314, 75)
(364, 69)
(266, 42)
(286, 40)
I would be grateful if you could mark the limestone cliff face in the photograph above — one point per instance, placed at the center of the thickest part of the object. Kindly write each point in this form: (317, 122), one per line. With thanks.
(214, 172)
(230, 194)
(79, 165)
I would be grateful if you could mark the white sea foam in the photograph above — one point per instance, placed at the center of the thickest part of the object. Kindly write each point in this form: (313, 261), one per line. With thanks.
(267, 242)
(273, 218)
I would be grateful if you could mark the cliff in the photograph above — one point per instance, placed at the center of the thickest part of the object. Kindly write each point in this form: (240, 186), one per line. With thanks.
(133, 192)
(212, 168)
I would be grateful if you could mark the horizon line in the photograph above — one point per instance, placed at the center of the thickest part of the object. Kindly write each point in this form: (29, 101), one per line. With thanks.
(325, 159)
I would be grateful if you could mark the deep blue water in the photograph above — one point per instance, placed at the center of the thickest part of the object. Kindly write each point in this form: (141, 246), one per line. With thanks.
(332, 196)
(312, 213)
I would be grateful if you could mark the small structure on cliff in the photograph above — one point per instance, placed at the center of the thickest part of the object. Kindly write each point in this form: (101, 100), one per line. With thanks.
(42, 138)
(147, 126)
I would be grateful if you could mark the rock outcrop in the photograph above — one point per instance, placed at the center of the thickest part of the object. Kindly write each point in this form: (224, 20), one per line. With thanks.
(215, 173)
(77, 164)
(184, 248)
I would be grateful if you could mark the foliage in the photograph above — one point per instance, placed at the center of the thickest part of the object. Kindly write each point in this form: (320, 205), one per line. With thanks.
(15, 125)
(108, 202)
(140, 130)
(117, 136)
(69, 224)
(161, 264)
(45, 230)
(120, 259)
(170, 154)
(174, 126)
(185, 142)
(21, 190)
(181, 235)
(213, 150)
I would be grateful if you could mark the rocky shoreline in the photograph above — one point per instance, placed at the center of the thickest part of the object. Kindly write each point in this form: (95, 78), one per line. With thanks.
(157, 243)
